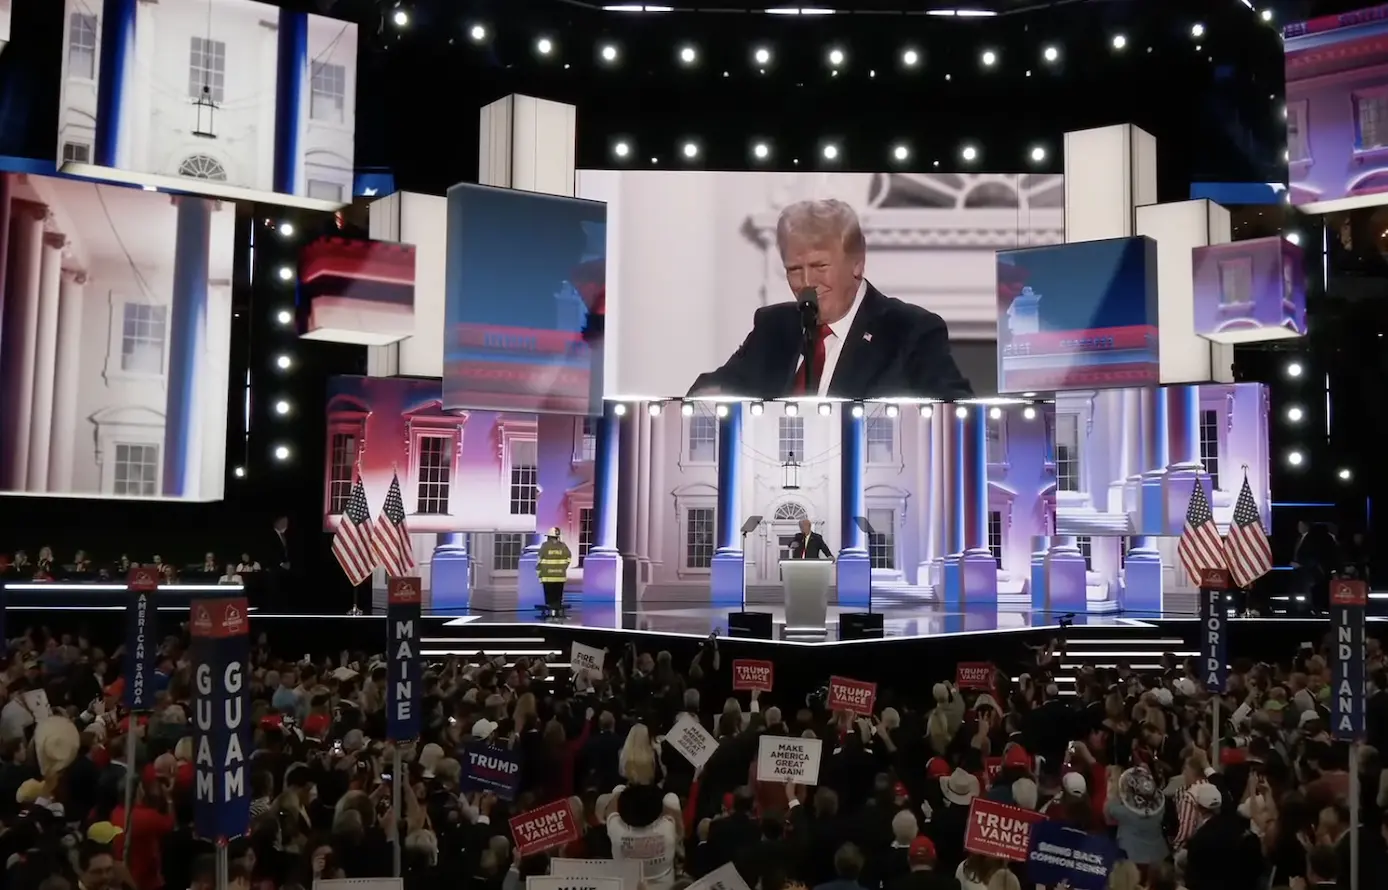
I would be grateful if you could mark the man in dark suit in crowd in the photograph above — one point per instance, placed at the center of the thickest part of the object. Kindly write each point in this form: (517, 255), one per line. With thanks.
(865, 345)
(809, 544)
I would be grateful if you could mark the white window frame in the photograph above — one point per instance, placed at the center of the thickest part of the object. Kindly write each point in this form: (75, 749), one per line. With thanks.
(890, 538)
(430, 421)
(693, 497)
(346, 416)
(126, 425)
(324, 190)
(491, 556)
(1299, 150)
(330, 75)
(333, 465)
(116, 341)
(995, 444)
(1237, 271)
(1085, 545)
(1000, 547)
(1066, 421)
(686, 518)
(511, 436)
(95, 23)
(588, 541)
(210, 52)
(77, 152)
(1218, 402)
(688, 437)
(586, 443)
(890, 440)
(1371, 94)
(782, 452)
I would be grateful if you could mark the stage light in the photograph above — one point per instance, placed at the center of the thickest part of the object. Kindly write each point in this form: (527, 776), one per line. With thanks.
(1038, 154)
(910, 58)
(688, 55)
(619, 409)
(989, 58)
(609, 53)
(792, 409)
(927, 411)
(961, 411)
(761, 151)
(1028, 413)
(478, 33)
(687, 409)
(969, 153)
(893, 411)
(401, 18)
(1344, 474)
(653, 409)
(1294, 238)
(901, 153)
(281, 407)
(1295, 458)
(995, 413)
(1294, 369)
(757, 409)
(281, 452)
(762, 56)
(720, 409)
(1266, 15)
(239, 472)
(1294, 414)
(825, 409)
(857, 410)
(835, 57)
(1119, 41)
(544, 46)
(283, 362)
(284, 316)
(621, 149)
(286, 273)
(831, 152)
(287, 229)
(690, 150)
(1051, 54)
(1197, 30)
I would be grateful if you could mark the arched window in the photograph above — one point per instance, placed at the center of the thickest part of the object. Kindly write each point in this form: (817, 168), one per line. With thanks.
(790, 512)
(203, 167)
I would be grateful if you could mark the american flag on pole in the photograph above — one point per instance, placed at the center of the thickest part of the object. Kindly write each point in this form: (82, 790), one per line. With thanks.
(390, 538)
(1246, 547)
(1200, 547)
(352, 542)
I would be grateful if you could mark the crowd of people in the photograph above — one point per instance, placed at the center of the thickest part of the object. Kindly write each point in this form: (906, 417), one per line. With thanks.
(1263, 803)
(79, 566)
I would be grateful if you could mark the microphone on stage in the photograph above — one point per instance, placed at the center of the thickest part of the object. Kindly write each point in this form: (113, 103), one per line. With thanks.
(808, 299)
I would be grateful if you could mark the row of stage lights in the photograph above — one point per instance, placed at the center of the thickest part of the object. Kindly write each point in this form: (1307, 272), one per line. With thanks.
(825, 409)
(1294, 415)
(761, 151)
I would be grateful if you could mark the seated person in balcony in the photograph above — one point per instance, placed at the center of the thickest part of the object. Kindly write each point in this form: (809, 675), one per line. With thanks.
(81, 564)
(45, 563)
(230, 576)
(247, 565)
(209, 564)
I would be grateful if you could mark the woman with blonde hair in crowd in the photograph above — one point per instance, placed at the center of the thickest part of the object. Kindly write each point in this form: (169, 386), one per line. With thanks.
(643, 822)
(979, 872)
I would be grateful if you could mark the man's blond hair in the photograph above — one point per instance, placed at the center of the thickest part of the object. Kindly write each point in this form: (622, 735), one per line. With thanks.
(820, 223)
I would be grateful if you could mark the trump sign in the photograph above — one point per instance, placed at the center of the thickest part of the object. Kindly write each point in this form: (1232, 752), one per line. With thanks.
(853, 696)
(403, 686)
(1348, 600)
(220, 647)
(139, 638)
(751, 673)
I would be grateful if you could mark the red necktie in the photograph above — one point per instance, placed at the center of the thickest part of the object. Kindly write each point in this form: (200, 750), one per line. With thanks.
(820, 336)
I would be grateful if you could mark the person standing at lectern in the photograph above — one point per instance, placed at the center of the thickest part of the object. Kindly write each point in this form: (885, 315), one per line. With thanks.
(809, 544)
(553, 566)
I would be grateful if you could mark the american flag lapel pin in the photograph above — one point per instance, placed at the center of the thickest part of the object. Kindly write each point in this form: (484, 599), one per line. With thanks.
(867, 338)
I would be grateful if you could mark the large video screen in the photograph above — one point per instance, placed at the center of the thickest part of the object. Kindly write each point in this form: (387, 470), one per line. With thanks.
(705, 272)
(228, 91)
(1080, 315)
(1128, 460)
(474, 471)
(525, 301)
(1337, 79)
(114, 340)
(352, 290)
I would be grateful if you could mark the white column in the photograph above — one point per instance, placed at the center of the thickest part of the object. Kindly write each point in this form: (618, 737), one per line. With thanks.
(45, 359)
(68, 374)
(659, 507)
(26, 263)
(528, 143)
(643, 487)
(1109, 173)
(217, 377)
(140, 92)
(924, 482)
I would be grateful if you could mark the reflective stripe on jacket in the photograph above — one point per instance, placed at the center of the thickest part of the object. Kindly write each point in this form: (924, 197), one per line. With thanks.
(554, 561)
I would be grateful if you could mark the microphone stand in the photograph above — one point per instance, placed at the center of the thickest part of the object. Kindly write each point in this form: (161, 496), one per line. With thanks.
(809, 320)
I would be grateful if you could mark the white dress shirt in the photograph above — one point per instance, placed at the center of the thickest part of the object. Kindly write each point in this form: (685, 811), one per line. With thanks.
(833, 343)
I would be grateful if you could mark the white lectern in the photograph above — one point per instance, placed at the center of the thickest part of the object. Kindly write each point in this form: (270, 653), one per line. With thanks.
(805, 583)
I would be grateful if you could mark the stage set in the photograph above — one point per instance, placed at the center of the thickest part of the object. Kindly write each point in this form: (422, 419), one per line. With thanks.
(568, 390)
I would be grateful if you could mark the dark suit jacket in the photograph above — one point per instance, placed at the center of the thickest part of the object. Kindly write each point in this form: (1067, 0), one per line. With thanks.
(813, 549)
(893, 349)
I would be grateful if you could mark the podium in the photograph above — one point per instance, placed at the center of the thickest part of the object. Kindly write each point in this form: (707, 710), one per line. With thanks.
(805, 583)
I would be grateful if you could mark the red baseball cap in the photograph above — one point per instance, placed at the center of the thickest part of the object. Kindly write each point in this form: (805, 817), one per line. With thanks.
(1016, 755)
(938, 768)
(921, 851)
(317, 725)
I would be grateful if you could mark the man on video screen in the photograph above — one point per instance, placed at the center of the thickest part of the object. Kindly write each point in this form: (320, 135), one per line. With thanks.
(864, 344)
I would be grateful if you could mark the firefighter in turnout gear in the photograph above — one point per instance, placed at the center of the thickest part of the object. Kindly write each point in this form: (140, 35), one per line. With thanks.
(553, 567)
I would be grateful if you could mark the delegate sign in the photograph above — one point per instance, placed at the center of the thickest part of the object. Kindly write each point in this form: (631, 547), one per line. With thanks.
(750, 673)
(488, 768)
(544, 828)
(1060, 854)
(782, 759)
(853, 696)
(1000, 830)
